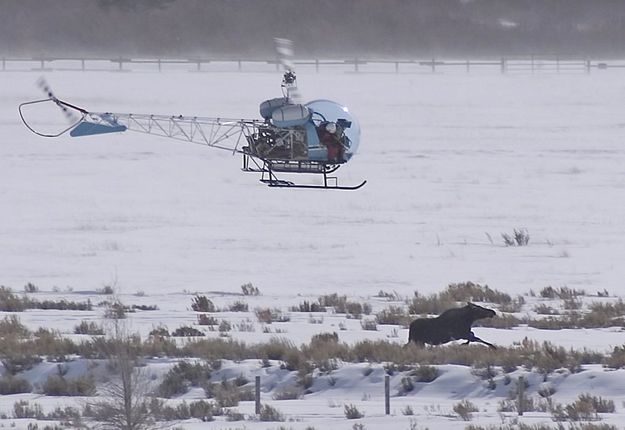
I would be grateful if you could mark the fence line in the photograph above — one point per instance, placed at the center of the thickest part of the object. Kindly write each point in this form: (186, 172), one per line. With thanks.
(526, 64)
(520, 395)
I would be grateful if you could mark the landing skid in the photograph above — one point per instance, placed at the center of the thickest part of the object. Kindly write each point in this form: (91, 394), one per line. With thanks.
(268, 169)
(288, 184)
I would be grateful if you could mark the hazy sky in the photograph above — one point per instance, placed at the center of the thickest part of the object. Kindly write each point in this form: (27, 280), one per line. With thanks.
(319, 27)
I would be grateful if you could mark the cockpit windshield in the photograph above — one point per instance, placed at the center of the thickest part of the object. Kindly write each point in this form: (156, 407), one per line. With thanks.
(327, 110)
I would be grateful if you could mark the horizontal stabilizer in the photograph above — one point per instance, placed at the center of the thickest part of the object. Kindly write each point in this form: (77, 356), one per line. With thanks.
(86, 128)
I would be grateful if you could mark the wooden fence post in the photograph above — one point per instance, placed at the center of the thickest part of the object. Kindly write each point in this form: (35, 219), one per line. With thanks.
(521, 389)
(257, 395)
(387, 395)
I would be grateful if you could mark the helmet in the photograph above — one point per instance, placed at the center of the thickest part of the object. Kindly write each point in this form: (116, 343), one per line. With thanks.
(331, 127)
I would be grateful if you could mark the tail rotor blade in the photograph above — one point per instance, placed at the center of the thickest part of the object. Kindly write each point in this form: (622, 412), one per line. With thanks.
(69, 114)
(41, 83)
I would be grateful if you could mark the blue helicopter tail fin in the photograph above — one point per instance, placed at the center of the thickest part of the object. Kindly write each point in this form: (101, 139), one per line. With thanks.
(106, 124)
(90, 128)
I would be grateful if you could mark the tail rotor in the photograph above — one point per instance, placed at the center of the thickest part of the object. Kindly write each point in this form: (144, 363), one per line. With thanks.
(74, 115)
(68, 111)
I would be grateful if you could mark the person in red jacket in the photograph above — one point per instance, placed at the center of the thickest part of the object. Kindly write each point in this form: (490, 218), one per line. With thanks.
(329, 136)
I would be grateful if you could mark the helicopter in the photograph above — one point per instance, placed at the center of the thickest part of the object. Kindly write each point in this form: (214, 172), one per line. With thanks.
(316, 138)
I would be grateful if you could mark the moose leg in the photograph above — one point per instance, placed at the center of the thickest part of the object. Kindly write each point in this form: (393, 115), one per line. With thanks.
(473, 338)
(477, 339)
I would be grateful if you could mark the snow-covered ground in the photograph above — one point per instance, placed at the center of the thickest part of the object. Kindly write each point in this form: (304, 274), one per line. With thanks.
(452, 161)
(448, 159)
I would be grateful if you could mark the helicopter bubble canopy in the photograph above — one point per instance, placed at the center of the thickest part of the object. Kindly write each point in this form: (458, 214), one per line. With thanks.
(327, 110)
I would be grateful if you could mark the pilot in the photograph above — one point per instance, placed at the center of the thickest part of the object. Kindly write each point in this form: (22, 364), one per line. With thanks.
(329, 135)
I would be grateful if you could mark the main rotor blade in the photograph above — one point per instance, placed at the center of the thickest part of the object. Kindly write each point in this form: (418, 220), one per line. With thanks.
(284, 48)
(285, 51)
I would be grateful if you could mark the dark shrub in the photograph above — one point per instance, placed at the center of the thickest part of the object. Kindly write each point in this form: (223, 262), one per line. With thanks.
(465, 409)
(159, 332)
(202, 304)
(115, 311)
(563, 293)
(249, 290)
(14, 385)
(600, 404)
(9, 302)
(31, 288)
(106, 290)
(90, 328)
(324, 337)
(288, 393)
(18, 362)
(226, 393)
(395, 315)
(173, 384)
(306, 306)
(203, 319)
(468, 292)
(268, 413)
(425, 373)
(203, 410)
(187, 331)
(339, 303)
(23, 409)
(144, 307)
(238, 306)
(11, 327)
(352, 412)
(183, 375)
(268, 315)
(432, 304)
(57, 385)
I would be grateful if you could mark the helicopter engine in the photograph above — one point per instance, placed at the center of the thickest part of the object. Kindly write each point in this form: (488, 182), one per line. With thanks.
(284, 136)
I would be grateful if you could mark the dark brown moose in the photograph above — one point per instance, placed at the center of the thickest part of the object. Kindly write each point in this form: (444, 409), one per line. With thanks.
(453, 324)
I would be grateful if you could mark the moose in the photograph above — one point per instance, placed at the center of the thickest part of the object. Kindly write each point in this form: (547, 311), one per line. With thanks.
(453, 324)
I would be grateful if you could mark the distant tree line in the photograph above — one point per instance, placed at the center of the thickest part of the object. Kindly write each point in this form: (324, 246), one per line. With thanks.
(320, 28)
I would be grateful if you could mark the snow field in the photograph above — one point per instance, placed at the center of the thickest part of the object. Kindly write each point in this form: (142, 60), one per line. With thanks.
(452, 161)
